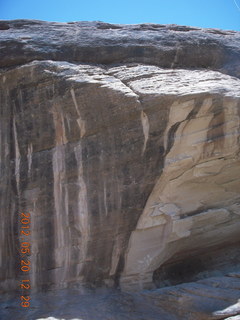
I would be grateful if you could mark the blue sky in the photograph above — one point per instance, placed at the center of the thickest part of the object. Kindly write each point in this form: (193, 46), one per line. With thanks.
(223, 14)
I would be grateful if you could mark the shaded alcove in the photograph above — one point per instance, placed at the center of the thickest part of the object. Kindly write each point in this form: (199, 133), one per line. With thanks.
(192, 266)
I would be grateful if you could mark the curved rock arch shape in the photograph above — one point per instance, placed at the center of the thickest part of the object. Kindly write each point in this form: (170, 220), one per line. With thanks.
(195, 203)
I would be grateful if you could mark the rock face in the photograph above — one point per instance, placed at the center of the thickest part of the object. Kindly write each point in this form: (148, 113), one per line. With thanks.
(169, 46)
(123, 144)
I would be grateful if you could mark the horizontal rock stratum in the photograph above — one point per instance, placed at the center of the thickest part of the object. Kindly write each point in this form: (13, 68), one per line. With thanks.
(168, 46)
(122, 141)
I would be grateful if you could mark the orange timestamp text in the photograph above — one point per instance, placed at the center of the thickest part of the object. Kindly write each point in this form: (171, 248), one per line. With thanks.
(25, 263)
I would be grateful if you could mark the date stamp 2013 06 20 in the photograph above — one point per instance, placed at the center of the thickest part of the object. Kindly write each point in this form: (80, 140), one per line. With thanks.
(25, 264)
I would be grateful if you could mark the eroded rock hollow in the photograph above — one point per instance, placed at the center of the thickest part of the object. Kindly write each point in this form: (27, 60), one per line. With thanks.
(123, 144)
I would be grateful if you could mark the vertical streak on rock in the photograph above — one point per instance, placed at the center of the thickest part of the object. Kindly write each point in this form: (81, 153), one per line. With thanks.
(66, 251)
(64, 138)
(61, 243)
(80, 122)
(176, 57)
(29, 157)
(60, 134)
(81, 216)
(62, 238)
(58, 172)
(105, 197)
(17, 155)
(145, 125)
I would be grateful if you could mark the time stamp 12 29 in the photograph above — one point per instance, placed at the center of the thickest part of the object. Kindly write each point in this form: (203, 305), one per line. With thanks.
(25, 263)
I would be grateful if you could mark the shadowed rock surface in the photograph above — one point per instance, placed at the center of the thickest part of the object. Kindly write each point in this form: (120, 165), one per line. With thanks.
(122, 141)
(209, 299)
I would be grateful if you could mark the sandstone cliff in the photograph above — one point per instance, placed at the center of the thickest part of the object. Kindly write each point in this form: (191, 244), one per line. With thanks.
(123, 144)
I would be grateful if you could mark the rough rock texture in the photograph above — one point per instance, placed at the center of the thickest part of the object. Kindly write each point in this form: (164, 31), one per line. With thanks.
(123, 144)
(96, 42)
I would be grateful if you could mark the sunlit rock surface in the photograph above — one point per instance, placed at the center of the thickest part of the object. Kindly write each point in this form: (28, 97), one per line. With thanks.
(123, 144)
